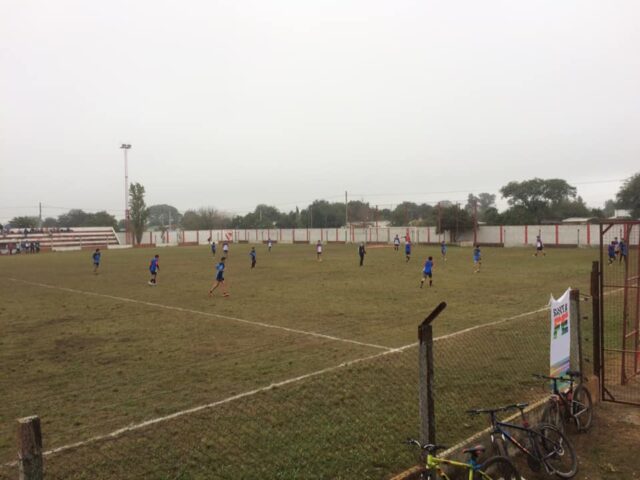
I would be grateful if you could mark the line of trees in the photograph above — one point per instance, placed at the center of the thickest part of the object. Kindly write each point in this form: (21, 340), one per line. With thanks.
(533, 201)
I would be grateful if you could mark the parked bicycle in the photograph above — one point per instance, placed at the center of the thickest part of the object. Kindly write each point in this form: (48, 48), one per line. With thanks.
(544, 445)
(494, 468)
(571, 405)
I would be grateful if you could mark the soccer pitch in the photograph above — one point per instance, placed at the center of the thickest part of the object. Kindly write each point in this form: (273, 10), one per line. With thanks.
(91, 354)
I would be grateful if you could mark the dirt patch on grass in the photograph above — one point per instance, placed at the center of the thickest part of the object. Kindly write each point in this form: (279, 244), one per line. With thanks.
(608, 450)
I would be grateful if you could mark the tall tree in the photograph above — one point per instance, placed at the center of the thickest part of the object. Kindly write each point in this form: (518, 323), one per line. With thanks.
(137, 210)
(164, 215)
(538, 196)
(73, 218)
(628, 196)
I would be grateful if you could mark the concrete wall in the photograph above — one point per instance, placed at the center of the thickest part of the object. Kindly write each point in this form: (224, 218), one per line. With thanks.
(508, 235)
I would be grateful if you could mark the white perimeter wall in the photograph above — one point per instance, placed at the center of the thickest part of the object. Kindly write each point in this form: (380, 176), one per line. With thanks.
(508, 235)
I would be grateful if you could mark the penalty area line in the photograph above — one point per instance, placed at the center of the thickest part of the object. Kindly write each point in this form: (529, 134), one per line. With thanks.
(206, 314)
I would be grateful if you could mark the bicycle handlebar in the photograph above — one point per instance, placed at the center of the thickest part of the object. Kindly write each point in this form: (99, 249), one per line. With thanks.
(429, 447)
(478, 411)
(570, 376)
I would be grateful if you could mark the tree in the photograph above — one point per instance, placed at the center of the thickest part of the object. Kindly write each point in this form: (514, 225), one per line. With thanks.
(49, 222)
(73, 218)
(207, 218)
(164, 215)
(538, 197)
(484, 202)
(609, 209)
(24, 222)
(628, 196)
(101, 219)
(456, 220)
(138, 210)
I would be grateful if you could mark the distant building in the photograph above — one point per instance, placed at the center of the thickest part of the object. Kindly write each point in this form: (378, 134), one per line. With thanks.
(621, 214)
(580, 220)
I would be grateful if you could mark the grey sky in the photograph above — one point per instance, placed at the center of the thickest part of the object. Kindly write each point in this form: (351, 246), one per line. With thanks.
(233, 103)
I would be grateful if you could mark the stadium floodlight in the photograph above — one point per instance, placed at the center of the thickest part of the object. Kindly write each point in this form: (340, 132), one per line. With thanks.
(125, 147)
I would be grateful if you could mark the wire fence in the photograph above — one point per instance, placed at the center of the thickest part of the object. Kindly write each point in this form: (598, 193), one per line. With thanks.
(620, 265)
(348, 421)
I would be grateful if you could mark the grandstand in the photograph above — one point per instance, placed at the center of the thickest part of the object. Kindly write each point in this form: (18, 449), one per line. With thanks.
(58, 239)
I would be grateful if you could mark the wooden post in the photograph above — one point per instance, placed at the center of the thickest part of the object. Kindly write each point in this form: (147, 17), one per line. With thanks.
(574, 301)
(427, 373)
(30, 464)
(595, 307)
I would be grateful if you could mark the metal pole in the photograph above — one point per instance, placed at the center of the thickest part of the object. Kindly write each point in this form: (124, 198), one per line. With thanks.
(595, 306)
(346, 210)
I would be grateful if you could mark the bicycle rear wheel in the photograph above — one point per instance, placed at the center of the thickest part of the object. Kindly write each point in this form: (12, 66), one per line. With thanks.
(557, 452)
(497, 468)
(582, 408)
(552, 415)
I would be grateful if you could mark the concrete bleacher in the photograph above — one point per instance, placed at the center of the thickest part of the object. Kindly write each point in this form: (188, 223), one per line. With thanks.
(61, 239)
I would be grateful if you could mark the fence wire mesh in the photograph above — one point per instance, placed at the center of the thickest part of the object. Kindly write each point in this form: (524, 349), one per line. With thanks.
(348, 422)
(621, 311)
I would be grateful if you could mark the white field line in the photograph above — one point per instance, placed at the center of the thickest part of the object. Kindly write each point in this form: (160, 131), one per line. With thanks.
(207, 314)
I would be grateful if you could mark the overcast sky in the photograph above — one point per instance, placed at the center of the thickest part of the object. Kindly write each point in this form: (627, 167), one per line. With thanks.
(232, 103)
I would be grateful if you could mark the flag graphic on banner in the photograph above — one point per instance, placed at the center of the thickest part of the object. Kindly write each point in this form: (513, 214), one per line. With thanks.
(559, 361)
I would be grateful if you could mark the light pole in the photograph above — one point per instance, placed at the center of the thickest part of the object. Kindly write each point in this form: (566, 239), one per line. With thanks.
(125, 147)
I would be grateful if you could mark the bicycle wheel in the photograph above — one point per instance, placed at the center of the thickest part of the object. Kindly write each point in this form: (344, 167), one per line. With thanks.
(552, 415)
(497, 468)
(582, 408)
(557, 452)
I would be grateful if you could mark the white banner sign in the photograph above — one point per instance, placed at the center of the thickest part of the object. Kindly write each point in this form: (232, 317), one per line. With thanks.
(559, 361)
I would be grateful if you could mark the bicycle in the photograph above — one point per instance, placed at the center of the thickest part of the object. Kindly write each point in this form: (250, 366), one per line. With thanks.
(494, 468)
(571, 405)
(546, 446)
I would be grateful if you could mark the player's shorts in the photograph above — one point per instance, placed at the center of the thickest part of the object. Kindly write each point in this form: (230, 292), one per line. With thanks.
(96, 264)
(476, 259)
(427, 274)
(220, 277)
(153, 272)
(539, 248)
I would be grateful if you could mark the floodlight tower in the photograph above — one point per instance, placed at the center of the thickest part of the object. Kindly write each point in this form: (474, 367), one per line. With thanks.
(125, 147)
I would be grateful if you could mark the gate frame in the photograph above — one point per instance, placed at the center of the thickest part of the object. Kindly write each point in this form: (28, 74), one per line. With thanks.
(599, 337)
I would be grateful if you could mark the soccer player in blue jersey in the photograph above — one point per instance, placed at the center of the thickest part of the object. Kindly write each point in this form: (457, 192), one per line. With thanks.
(623, 250)
(219, 279)
(213, 246)
(407, 250)
(443, 250)
(252, 254)
(477, 258)
(427, 271)
(154, 266)
(96, 260)
(611, 251)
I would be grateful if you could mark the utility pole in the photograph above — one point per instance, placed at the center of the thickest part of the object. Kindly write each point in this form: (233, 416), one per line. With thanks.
(39, 214)
(346, 210)
(310, 216)
(475, 221)
(440, 220)
(126, 147)
(457, 212)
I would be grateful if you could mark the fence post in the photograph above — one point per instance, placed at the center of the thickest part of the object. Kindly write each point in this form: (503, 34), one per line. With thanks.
(595, 306)
(427, 371)
(574, 300)
(30, 464)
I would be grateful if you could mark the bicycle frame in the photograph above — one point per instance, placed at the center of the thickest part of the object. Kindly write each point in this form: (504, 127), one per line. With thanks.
(433, 463)
(500, 428)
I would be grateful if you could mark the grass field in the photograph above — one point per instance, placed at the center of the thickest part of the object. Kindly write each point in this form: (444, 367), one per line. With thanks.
(91, 353)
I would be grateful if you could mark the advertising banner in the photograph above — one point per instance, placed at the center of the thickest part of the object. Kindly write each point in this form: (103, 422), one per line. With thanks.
(559, 361)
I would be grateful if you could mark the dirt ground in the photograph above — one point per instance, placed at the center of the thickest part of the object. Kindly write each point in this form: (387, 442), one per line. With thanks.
(610, 449)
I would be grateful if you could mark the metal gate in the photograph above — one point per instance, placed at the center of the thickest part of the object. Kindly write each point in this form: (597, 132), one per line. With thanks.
(620, 311)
